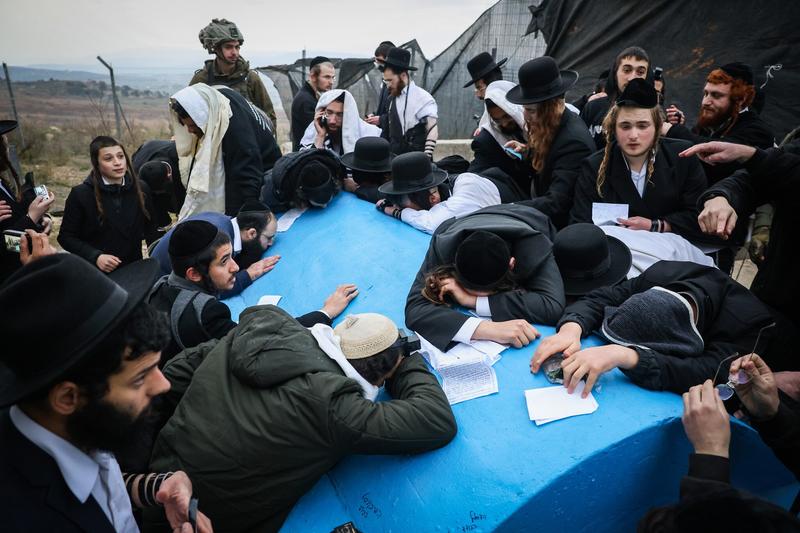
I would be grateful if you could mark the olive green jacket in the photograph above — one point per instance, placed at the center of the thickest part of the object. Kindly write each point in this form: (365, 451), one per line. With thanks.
(267, 413)
(243, 80)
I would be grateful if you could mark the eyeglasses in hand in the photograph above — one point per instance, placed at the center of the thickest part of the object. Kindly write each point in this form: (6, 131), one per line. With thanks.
(727, 390)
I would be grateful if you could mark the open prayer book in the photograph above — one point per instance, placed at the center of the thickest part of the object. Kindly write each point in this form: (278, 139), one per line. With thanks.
(466, 369)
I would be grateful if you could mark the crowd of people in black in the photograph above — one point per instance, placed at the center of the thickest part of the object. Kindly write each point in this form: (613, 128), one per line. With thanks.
(128, 392)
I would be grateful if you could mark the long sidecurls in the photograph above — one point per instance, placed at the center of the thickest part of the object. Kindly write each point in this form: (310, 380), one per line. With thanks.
(741, 96)
(543, 132)
(609, 129)
(104, 141)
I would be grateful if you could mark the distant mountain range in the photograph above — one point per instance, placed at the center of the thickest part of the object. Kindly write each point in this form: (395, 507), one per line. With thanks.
(168, 80)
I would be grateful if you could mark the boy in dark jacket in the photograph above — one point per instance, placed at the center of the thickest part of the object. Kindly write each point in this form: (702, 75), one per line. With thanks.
(274, 406)
(107, 216)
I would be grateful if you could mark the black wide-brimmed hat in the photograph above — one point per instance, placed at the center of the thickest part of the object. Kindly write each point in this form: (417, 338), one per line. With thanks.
(589, 259)
(638, 93)
(412, 172)
(540, 80)
(398, 58)
(370, 154)
(739, 71)
(482, 260)
(56, 310)
(316, 183)
(7, 125)
(481, 65)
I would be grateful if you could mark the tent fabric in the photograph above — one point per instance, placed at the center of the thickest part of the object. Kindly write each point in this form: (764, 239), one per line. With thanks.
(687, 39)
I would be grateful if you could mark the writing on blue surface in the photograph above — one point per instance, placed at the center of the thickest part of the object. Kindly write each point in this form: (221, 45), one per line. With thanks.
(472, 525)
(367, 507)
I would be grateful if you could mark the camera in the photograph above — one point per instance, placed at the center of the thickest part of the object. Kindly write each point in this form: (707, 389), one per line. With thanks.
(41, 190)
(12, 238)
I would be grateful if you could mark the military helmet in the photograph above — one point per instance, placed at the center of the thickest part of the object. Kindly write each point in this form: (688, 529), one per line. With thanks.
(218, 32)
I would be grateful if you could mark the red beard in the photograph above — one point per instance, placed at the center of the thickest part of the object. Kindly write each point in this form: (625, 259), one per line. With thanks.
(710, 118)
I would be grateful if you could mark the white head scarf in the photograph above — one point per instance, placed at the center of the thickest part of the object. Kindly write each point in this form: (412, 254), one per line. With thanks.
(329, 343)
(353, 128)
(496, 92)
(211, 111)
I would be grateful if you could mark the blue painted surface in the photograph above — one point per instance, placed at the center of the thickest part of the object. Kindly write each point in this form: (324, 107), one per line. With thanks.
(598, 472)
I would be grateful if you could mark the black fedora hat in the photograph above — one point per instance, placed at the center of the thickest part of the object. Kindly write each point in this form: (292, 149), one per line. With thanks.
(7, 125)
(370, 154)
(398, 58)
(638, 93)
(83, 307)
(589, 259)
(540, 80)
(481, 65)
(412, 172)
(317, 184)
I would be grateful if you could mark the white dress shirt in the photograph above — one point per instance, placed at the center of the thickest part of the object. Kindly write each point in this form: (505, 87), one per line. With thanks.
(470, 193)
(97, 474)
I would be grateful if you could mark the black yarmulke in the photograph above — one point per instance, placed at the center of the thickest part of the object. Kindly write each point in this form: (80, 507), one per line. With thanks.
(481, 260)
(191, 237)
(319, 59)
(739, 71)
(638, 93)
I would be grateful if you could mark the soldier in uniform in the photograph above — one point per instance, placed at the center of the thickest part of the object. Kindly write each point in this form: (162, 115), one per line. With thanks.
(223, 39)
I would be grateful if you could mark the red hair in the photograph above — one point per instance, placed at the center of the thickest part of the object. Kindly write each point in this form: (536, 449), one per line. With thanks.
(741, 96)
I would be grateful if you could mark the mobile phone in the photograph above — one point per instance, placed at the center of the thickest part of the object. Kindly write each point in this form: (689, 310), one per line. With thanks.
(12, 238)
(193, 513)
(324, 121)
(41, 190)
(513, 152)
(658, 73)
(552, 369)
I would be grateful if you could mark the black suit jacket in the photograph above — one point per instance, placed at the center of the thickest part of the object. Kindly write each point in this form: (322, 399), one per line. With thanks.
(487, 153)
(303, 106)
(19, 221)
(539, 297)
(670, 194)
(33, 495)
(554, 186)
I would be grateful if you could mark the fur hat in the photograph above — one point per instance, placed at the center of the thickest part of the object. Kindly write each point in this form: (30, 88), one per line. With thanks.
(365, 335)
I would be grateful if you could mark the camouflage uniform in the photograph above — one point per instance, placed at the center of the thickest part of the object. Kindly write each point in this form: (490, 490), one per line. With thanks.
(242, 80)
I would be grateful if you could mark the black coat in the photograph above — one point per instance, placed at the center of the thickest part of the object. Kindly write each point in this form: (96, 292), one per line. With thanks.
(487, 153)
(771, 176)
(670, 194)
(593, 114)
(540, 296)
(749, 129)
(121, 231)
(729, 318)
(249, 150)
(167, 197)
(34, 496)
(554, 186)
(303, 106)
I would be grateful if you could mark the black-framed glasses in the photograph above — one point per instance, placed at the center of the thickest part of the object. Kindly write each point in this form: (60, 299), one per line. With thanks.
(727, 390)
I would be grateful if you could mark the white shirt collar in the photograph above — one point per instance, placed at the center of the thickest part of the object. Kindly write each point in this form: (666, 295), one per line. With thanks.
(237, 237)
(105, 181)
(78, 469)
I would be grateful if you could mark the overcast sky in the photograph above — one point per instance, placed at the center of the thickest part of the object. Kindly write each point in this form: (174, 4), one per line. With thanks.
(163, 33)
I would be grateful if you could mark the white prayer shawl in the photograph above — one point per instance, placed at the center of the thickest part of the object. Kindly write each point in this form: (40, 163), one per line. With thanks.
(648, 248)
(413, 105)
(211, 111)
(470, 193)
(496, 92)
(353, 128)
(329, 343)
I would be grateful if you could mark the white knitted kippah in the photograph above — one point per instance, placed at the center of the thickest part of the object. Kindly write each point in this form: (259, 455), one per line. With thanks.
(365, 335)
